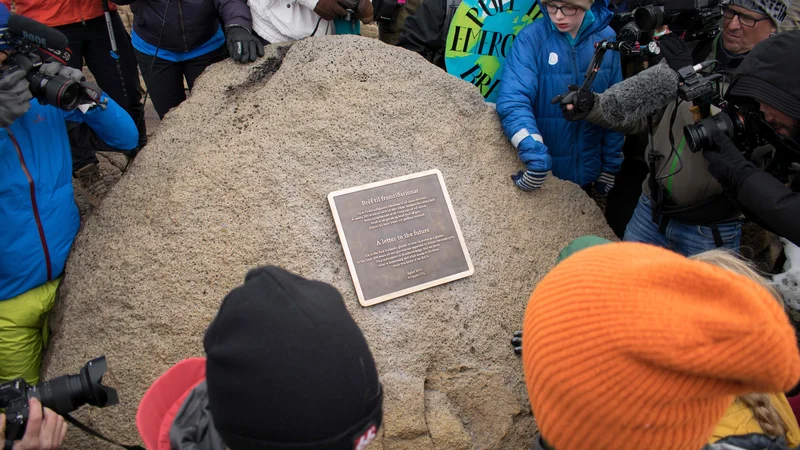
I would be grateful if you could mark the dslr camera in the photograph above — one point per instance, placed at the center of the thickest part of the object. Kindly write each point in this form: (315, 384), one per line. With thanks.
(28, 49)
(63, 395)
(693, 20)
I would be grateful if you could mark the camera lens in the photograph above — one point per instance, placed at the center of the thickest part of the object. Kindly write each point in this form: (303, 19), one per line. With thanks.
(57, 91)
(67, 393)
(698, 136)
(649, 17)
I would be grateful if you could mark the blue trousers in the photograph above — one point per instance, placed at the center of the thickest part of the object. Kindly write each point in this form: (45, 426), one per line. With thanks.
(679, 237)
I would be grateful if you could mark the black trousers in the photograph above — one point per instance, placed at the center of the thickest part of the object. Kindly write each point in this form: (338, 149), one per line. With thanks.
(90, 44)
(624, 196)
(165, 80)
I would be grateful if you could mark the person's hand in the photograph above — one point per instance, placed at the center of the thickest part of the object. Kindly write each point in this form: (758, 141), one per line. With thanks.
(15, 96)
(575, 104)
(516, 342)
(726, 163)
(675, 51)
(364, 11)
(45, 430)
(604, 184)
(529, 180)
(54, 68)
(243, 46)
(330, 9)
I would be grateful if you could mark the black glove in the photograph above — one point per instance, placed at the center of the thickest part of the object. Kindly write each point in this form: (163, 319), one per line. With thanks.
(726, 163)
(675, 51)
(243, 46)
(516, 342)
(582, 101)
(15, 96)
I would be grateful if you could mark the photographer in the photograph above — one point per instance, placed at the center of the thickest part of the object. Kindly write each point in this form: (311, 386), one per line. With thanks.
(768, 76)
(683, 207)
(286, 367)
(37, 207)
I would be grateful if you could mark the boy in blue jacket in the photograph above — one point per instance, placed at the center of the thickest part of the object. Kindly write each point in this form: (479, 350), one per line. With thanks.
(37, 207)
(548, 56)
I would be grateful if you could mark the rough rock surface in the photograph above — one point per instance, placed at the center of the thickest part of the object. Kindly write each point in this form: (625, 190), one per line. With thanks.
(237, 177)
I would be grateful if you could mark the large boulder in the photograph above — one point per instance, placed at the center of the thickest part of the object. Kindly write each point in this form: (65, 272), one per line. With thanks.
(237, 177)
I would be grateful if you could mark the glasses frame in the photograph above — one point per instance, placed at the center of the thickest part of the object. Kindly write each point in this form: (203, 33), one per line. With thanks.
(748, 18)
(548, 5)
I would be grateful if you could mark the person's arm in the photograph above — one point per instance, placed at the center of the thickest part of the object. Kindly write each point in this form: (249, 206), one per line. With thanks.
(234, 12)
(422, 32)
(7, 3)
(515, 107)
(112, 124)
(243, 46)
(773, 203)
(45, 429)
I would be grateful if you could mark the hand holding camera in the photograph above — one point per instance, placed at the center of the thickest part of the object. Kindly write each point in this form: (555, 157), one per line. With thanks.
(46, 430)
(726, 162)
(15, 97)
(575, 104)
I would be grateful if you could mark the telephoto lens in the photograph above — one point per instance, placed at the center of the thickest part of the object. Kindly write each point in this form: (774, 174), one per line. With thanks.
(67, 393)
(58, 91)
(698, 136)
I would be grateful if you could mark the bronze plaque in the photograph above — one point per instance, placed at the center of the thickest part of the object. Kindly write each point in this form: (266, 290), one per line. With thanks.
(400, 236)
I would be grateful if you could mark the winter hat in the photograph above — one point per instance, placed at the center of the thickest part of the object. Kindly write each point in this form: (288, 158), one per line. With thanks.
(631, 346)
(4, 15)
(775, 9)
(287, 367)
(769, 74)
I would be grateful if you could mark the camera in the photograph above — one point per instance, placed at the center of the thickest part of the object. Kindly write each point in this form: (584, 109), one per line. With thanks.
(743, 124)
(693, 19)
(694, 86)
(57, 90)
(63, 395)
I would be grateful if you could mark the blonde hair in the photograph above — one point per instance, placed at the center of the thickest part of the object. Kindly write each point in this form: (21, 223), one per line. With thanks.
(760, 404)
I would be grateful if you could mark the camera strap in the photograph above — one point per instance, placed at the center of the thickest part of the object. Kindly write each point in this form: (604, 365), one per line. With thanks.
(86, 429)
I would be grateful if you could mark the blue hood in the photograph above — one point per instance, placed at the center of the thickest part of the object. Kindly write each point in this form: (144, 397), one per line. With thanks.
(602, 17)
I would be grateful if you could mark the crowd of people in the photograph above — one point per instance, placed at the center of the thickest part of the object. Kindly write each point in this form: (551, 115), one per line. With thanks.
(687, 346)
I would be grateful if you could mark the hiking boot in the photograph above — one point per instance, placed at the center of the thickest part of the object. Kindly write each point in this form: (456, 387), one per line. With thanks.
(91, 183)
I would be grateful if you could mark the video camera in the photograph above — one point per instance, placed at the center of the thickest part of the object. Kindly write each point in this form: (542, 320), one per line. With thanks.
(31, 41)
(63, 395)
(690, 19)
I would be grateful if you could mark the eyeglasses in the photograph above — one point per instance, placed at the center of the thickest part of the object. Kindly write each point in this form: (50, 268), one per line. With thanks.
(566, 10)
(744, 19)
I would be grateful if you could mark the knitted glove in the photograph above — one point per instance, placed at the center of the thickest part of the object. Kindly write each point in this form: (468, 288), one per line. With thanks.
(727, 164)
(15, 96)
(529, 180)
(54, 68)
(516, 342)
(242, 45)
(604, 184)
(575, 104)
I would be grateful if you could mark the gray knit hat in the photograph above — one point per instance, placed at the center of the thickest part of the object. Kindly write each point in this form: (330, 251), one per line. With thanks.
(775, 9)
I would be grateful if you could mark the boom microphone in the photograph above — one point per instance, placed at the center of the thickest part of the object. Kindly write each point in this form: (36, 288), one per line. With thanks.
(639, 96)
(36, 32)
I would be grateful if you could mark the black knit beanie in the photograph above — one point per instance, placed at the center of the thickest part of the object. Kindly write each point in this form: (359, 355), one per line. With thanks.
(769, 74)
(288, 368)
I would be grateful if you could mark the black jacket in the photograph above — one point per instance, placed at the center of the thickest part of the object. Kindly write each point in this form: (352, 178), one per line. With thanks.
(775, 205)
(426, 30)
(189, 24)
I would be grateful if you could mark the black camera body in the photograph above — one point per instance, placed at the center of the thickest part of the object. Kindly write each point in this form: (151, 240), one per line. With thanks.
(57, 90)
(692, 19)
(63, 395)
(698, 87)
(744, 124)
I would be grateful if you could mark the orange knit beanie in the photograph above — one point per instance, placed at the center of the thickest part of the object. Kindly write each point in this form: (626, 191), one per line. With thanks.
(630, 346)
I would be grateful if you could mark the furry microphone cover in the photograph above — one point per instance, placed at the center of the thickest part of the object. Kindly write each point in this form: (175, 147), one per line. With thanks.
(640, 95)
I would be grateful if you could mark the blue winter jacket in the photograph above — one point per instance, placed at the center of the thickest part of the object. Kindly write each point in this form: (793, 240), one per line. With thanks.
(543, 63)
(37, 209)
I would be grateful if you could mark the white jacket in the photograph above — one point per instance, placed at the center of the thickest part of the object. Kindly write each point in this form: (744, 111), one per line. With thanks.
(287, 20)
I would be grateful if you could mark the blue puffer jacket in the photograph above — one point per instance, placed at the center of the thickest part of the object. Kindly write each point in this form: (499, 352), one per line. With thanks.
(37, 210)
(542, 64)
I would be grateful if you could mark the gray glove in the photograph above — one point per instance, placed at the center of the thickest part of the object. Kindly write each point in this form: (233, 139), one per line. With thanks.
(54, 68)
(15, 96)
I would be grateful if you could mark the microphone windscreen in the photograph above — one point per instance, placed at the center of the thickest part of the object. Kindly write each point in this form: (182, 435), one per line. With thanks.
(639, 96)
(37, 32)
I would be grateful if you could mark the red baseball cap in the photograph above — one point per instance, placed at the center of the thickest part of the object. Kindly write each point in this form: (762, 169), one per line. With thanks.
(163, 400)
